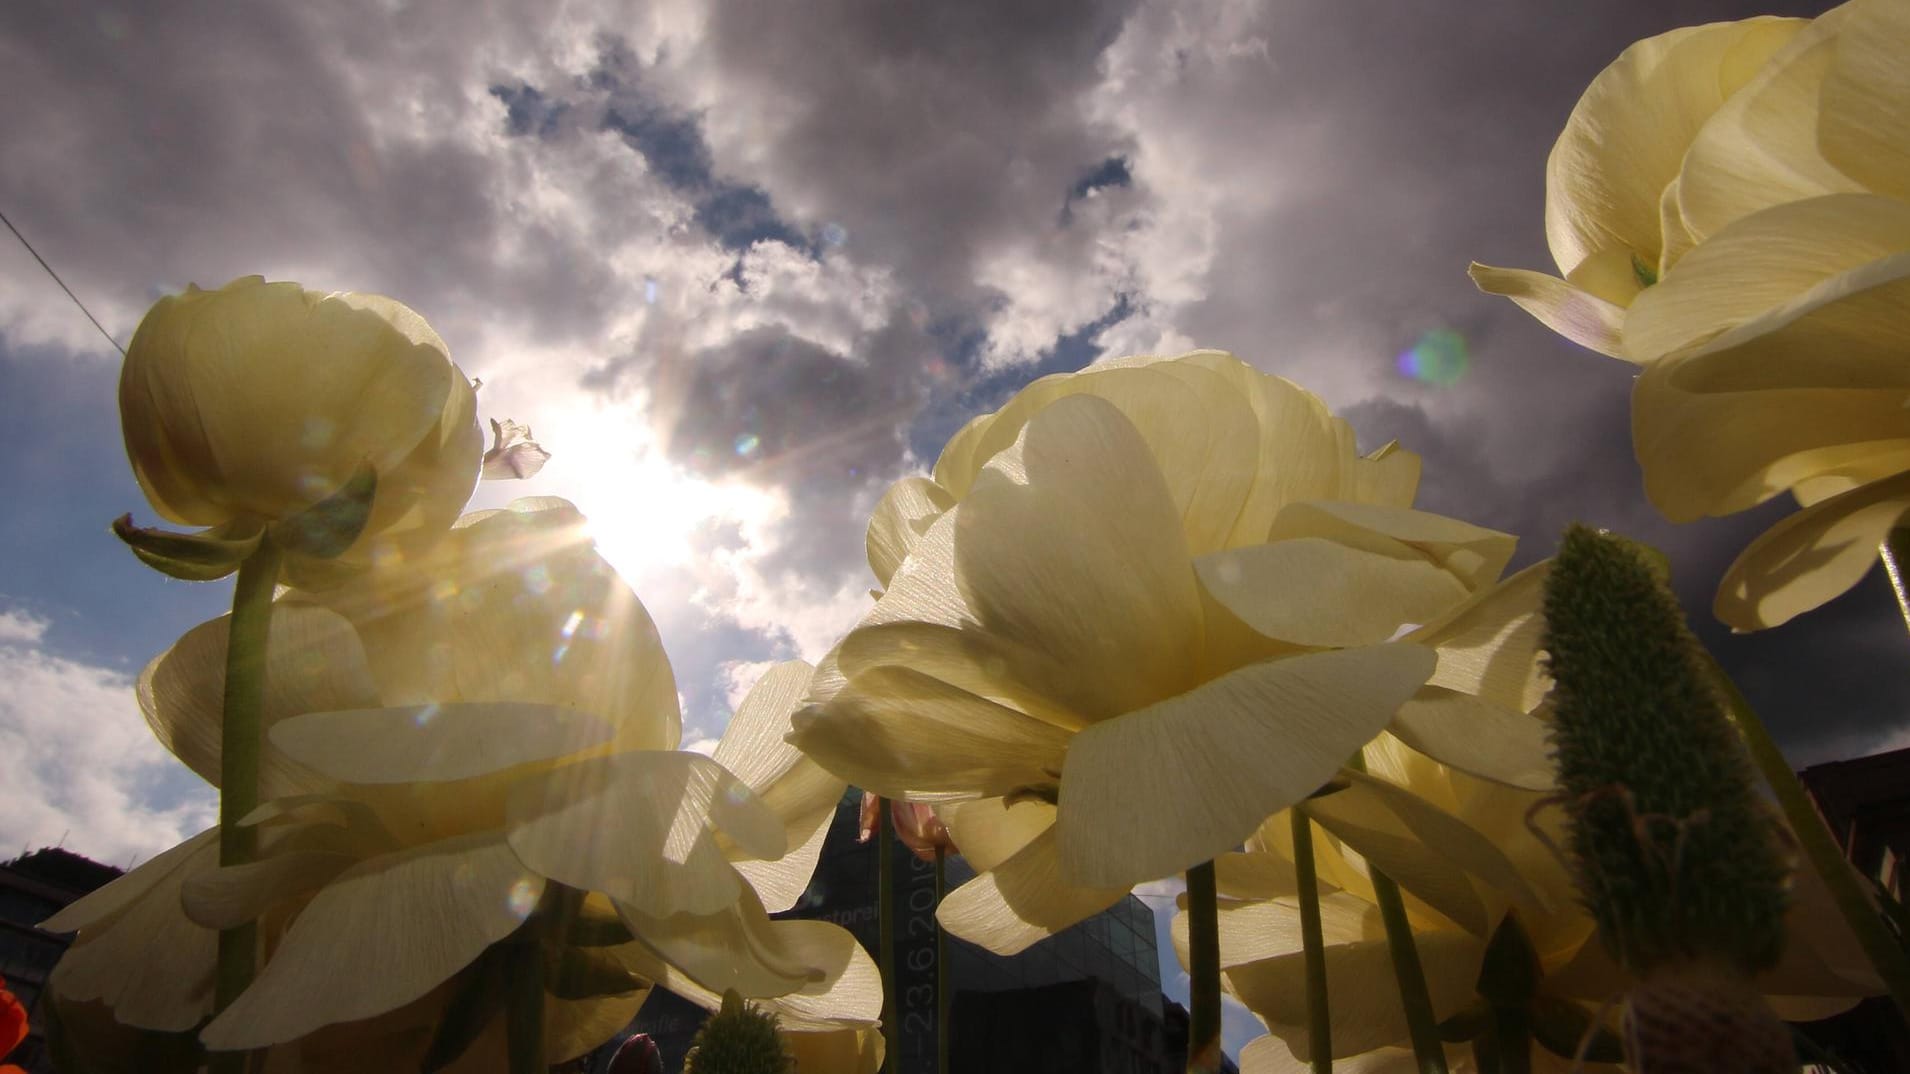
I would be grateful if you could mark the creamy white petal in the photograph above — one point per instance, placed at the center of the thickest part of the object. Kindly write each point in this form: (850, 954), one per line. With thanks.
(1022, 900)
(435, 743)
(1172, 785)
(1474, 735)
(1319, 592)
(1812, 556)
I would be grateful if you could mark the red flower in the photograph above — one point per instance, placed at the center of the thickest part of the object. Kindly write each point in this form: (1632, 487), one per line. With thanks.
(13, 1027)
(916, 825)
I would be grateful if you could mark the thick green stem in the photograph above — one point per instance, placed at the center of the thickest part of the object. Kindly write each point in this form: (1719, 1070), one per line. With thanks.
(885, 931)
(1203, 969)
(942, 998)
(1896, 563)
(244, 702)
(524, 1005)
(1319, 1015)
(1886, 955)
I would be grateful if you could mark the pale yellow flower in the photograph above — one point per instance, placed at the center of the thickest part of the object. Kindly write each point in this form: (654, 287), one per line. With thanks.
(1263, 965)
(1143, 607)
(448, 738)
(249, 404)
(1730, 208)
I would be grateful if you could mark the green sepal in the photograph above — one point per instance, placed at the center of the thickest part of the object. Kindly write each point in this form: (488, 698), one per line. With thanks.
(328, 527)
(586, 973)
(594, 928)
(1509, 973)
(478, 999)
(192, 557)
(1561, 1026)
(1643, 273)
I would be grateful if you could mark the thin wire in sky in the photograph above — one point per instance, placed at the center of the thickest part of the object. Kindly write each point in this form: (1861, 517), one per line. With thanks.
(62, 283)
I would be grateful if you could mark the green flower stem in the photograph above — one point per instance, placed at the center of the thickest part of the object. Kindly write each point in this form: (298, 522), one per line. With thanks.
(1319, 1014)
(885, 930)
(1413, 997)
(524, 1005)
(244, 704)
(1203, 956)
(942, 997)
(1896, 562)
(1886, 955)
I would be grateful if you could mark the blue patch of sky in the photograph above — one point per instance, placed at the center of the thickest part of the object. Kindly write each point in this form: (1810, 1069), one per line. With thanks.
(1112, 172)
(981, 393)
(735, 214)
(65, 480)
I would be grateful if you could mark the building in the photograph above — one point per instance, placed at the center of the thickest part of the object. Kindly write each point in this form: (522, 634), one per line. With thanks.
(33, 887)
(1091, 993)
(1866, 804)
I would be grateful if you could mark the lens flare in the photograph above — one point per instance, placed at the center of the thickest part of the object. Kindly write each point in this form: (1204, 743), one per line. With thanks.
(1439, 358)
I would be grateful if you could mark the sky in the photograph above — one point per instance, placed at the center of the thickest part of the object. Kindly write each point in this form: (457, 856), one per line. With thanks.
(741, 265)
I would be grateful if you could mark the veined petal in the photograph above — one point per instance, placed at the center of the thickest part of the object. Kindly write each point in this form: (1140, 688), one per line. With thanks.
(797, 789)
(1812, 556)
(896, 731)
(1474, 735)
(1628, 133)
(1070, 544)
(1360, 989)
(1256, 875)
(736, 946)
(232, 895)
(1761, 264)
(780, 883)
(1319, 592)
(989, 831)
(1022, 900)
(314, 662)
(1011, 675)
(1473, 554)
(379, 936)
(137, 951)
(1579, 316)
(638, 827)
(1850, 325)
(1389, 846)
(1715, 453)
(1172, 785)
(435, 743)
(1761, 147)
(901, 518)
(1254, 931)
(1271, 1055)
(1864, 128)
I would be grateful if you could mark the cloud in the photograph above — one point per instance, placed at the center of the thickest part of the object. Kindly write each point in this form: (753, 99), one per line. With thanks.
(80, 767)
(21, 627)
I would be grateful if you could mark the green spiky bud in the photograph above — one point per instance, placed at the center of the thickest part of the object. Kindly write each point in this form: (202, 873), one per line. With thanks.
(1677, 859)
(739, 1039)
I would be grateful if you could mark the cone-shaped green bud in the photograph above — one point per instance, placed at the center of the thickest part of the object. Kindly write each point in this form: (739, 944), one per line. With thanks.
(738, 1039)
(1677, 859)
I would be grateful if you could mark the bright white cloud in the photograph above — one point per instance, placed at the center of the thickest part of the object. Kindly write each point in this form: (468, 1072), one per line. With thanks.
(79, 765)
(20, 627)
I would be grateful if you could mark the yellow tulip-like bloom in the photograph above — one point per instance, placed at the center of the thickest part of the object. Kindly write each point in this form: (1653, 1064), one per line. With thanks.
(451, 739)
(250, 404)
(1730, 205)
(1143, 607)
(1573, 979)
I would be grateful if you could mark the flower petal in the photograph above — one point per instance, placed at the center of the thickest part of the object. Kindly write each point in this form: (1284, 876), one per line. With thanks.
(901, 518)
(989, 831)
(1360, 989)
(1477, 736)
(638, 827)
(1318, 592)
(737, 946)
(1473, 554)
(379, 936)
(1255, 931)
(1761, 264)
(435, 743)
(1022, 900)
(314, 662)
(896, 732)
(1811, 556)
(137, 951)
(1628, 134)
(1172, 785)
(1070, 544)
(1579, 316)
(1864, 128)
(232, 895)
(797, 789)
(1760, 148)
